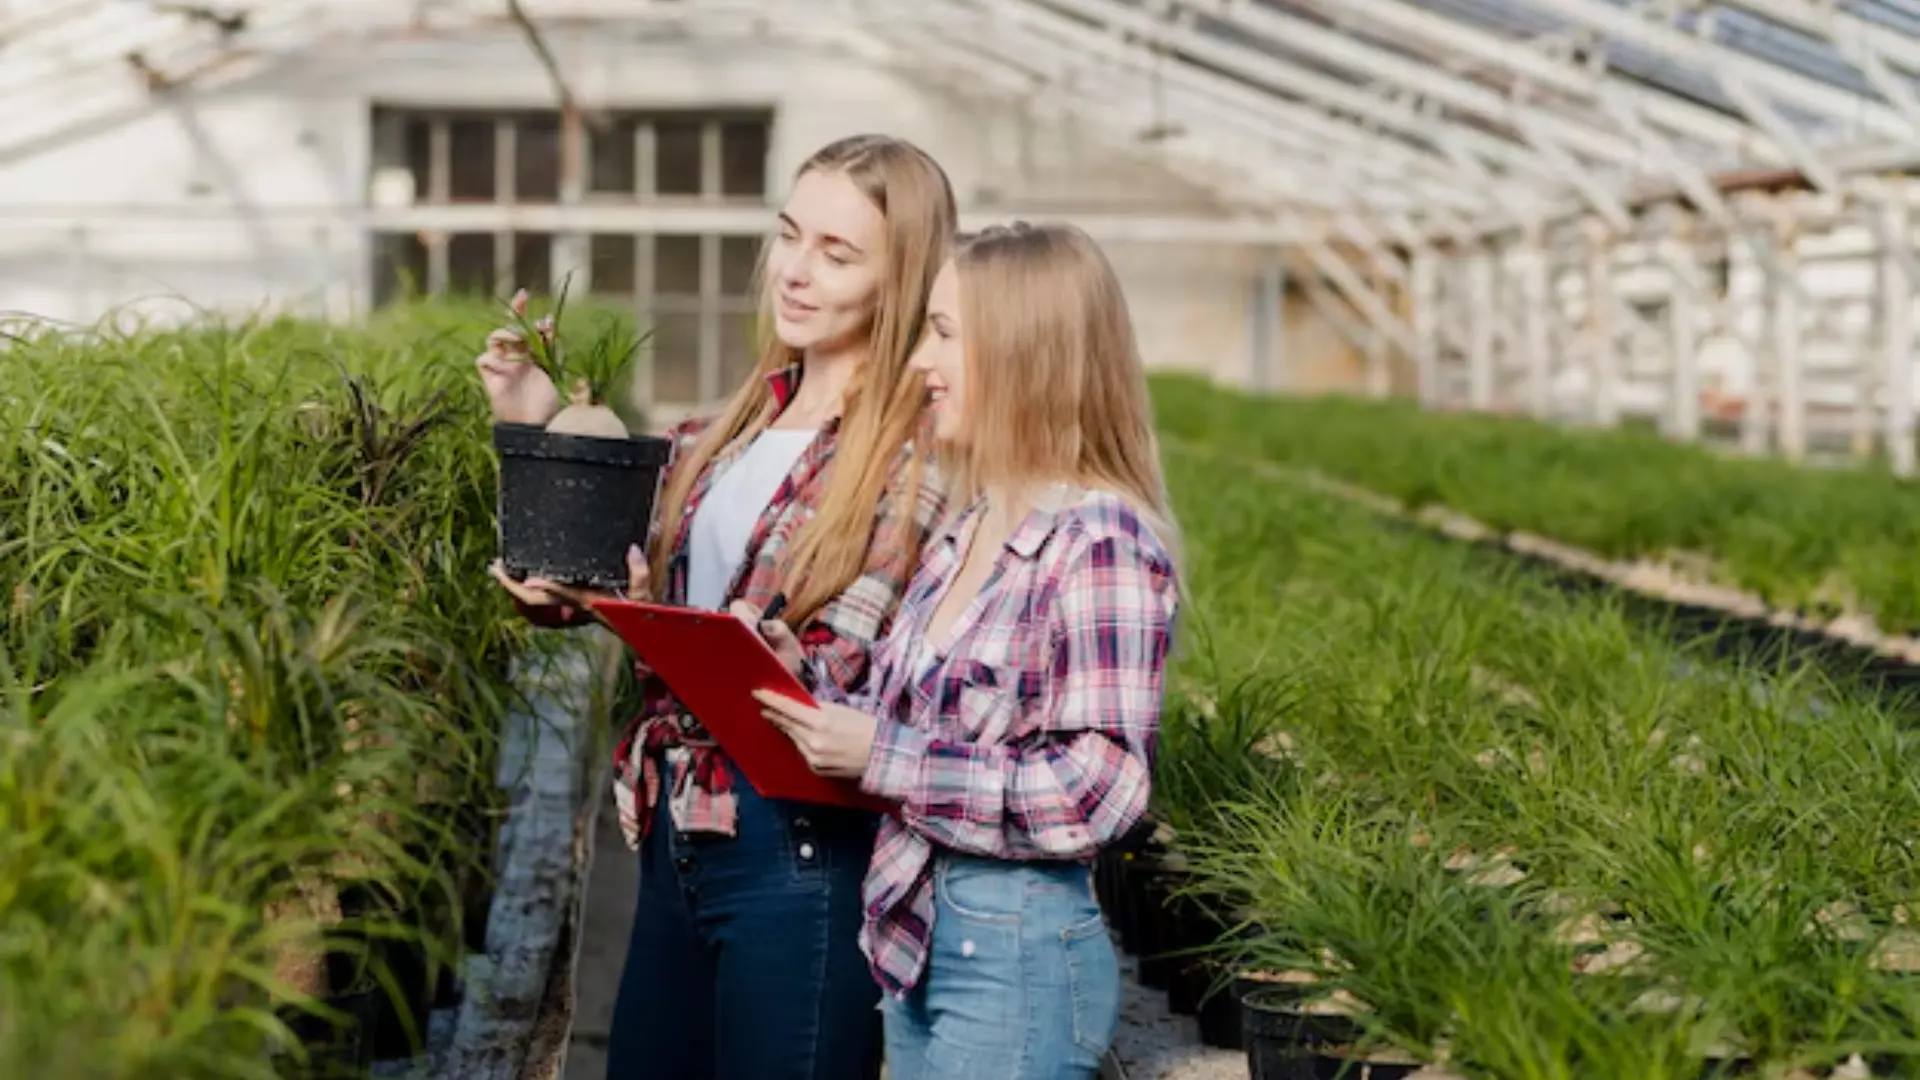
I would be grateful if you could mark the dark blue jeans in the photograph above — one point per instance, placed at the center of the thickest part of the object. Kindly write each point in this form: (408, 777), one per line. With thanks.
(745, 961)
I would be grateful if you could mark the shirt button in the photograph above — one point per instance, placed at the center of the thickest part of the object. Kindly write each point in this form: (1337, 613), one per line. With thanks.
(806, 851)
(966, 948)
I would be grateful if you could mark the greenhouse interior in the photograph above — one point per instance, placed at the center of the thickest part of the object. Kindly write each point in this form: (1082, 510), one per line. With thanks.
(1594, 318)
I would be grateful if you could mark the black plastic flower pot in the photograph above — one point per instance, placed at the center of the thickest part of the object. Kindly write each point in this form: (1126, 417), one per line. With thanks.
(1219, 1015)
(1191, 931)
(1127, 908)
(570, 505)
(1153, 889)
(1106, 883)
(1283, 1040)
(359, 973)
(1188, 987)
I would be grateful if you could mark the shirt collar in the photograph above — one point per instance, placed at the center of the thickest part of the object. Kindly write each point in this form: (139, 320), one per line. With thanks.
(783, 383)
(1034, 531)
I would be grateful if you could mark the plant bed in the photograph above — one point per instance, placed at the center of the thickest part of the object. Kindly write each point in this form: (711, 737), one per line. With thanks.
(1799, 537)
(1503, 811)
(249, 661)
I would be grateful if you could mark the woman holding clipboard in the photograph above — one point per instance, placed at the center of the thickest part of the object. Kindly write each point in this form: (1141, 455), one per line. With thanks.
(1012, 709)
(808, 486)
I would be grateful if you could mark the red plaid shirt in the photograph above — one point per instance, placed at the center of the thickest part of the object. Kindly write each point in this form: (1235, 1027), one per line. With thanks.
(1033, 737)
(837, 639)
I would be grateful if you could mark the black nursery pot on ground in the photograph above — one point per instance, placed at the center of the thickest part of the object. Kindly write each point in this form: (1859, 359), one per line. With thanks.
(1284, 1036)
(570, 505)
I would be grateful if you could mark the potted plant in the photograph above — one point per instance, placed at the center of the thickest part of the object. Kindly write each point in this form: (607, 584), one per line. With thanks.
(577, 491)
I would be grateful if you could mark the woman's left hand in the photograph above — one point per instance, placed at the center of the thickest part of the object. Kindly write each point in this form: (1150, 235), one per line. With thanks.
(835, 740)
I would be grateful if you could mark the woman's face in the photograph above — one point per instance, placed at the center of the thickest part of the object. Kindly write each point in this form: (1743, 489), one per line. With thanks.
(941, 357)
(825, 265)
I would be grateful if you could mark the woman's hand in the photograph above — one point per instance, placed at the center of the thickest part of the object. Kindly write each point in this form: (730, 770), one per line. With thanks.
(779, 635)
(539, 592)
(518, 390)
(835, 740)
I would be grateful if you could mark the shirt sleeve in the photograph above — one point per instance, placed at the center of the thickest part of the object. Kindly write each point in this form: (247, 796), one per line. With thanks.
(1079, 776)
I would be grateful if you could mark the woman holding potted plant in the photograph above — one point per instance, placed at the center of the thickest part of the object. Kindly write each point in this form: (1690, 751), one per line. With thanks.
(1013, 705)
(809, 486)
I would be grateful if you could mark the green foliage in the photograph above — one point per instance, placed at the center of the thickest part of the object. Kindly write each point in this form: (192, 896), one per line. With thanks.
(1525, 830)
(597, 350)
(1803, 538)
(249, 654)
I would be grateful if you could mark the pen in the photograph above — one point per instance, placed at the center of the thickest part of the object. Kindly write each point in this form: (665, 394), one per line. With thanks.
(774, 607)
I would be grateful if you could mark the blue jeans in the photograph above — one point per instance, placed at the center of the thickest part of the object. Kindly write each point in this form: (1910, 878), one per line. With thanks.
(745, 960)
(1022, 982)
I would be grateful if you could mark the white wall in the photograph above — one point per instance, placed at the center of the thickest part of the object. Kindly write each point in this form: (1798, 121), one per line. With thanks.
(205, 180)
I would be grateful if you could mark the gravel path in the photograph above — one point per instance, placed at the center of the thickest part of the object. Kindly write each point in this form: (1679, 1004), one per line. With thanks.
(1154, 1044)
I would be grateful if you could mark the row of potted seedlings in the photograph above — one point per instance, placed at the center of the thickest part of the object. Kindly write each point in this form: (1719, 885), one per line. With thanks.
(1422, 813)
(1825, 544)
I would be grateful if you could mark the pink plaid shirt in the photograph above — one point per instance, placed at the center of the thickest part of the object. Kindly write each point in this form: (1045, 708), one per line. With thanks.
(837, 639)
(1033, 737)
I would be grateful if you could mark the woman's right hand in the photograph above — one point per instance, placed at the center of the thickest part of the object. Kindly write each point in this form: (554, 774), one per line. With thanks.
(518, 390)
(540, 593)
(778, 635)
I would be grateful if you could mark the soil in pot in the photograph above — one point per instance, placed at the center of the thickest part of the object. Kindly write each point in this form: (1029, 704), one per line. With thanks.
(1284, 1032)
(571, 505)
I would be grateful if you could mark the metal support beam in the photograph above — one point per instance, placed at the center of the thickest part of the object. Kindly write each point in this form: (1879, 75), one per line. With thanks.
(1789, 393)
(1350, 284)
(1267, 370)
(1480, 318)
(1897, 321)
(1604, 366)
(1538, 308)
(1683, 385)
(1630, 27)
(731, 220)
(1426, 324)
(1210, 101)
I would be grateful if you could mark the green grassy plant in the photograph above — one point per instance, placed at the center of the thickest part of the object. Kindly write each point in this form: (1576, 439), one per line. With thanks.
(1822, 540)
(1531, 834)
(250, 655)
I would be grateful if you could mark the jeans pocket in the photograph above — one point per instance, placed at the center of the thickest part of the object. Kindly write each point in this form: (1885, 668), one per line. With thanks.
(1093, 984)
(985, 893)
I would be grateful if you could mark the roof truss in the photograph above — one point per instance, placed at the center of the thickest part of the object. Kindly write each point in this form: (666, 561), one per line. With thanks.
(1382, 119)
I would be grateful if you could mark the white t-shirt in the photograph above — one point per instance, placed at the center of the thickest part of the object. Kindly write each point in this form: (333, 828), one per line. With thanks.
(727, 516)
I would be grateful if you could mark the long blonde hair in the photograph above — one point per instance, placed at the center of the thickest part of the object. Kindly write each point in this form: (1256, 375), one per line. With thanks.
(1056, 389)
(884, 402)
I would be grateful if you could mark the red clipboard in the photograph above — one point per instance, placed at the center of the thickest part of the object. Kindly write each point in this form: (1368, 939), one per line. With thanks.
(713, 663)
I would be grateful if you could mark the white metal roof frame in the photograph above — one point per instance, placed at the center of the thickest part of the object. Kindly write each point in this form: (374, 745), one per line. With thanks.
(1371, 119)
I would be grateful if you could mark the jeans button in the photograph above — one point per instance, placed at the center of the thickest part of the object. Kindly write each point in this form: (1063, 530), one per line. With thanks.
(806, 851)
